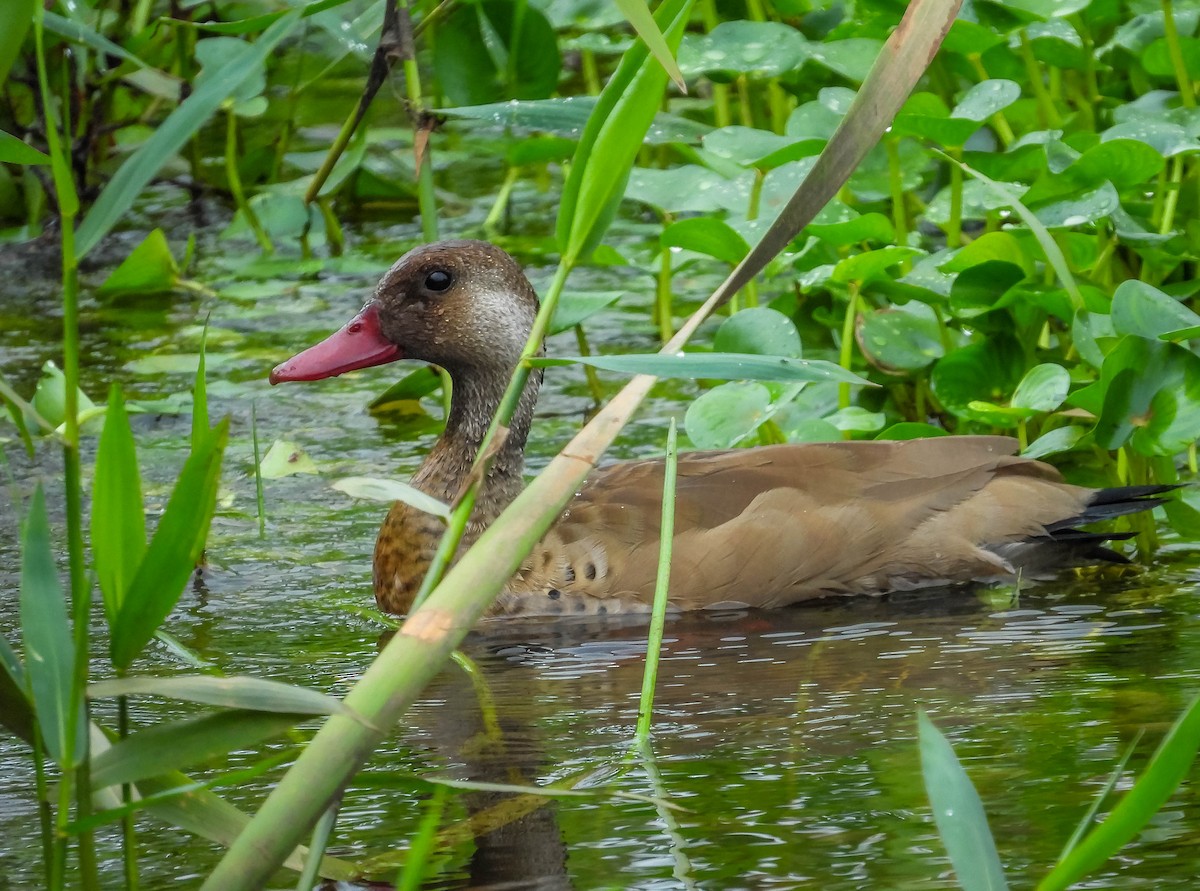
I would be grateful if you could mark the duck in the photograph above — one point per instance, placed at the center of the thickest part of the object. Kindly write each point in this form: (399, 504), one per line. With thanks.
(761, 527)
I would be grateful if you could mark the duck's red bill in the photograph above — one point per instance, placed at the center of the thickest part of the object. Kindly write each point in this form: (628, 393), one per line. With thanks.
(359, 344)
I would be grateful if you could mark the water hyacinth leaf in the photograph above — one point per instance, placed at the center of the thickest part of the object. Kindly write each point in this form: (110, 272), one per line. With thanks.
(851, 58)
(1132, 374)
(857, 229)
(162, 748)
(118, 514)
(757, 49)
(717, 366)
(1157, 57)
(149, 269)
(708, 236)
(1173, 422)
(958, 813)
(1167, 769)
(1002, 247)
(173, 552)
(254, 694)
(856, 419)
(902, 339)
(983, 288)
(576, 307)
(1166, 138)
(1043, 388)
(1057, 441)
(496, 50)
(1087, 208)
(986, 371)
(49, 652)
(14, 151)
(761, 149)
(614, 133)
(911, 430)
(722, 417)
(869, 265)
(758, 330)
(567, 117)
(283, 459)
(985, 99)
(392, 490)
(1144, 310)
(173, 134)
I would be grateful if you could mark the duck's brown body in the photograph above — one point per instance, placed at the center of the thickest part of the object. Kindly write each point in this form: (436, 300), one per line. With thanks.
(763, 527)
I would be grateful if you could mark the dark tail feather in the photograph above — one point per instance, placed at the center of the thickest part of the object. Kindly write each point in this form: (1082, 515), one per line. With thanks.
(1115, 502)
(1066, 544)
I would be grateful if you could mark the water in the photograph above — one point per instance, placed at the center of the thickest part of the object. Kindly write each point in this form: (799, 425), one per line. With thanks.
(786, 739)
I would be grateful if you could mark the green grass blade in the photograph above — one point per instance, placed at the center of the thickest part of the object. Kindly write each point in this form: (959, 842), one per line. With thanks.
(162, 748)
(49, 651)
(118, 513)
(717, 366)
(172, 134)
(637, 13)
(173, 552)
(253, 694)
(959, 813)
(661, 588)
(1088, 818)
(200, 396)
(1152, 790)
(612, 137)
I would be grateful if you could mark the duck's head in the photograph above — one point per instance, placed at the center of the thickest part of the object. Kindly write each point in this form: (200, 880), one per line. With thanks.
(463, 305)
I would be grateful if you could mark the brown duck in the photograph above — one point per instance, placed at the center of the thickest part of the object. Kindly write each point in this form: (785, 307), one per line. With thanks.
(763, 527)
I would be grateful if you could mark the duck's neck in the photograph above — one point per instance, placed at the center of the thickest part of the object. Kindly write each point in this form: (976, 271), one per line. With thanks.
(475, 399)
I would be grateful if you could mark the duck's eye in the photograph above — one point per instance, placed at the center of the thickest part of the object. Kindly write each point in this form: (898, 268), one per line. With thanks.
(438, 280)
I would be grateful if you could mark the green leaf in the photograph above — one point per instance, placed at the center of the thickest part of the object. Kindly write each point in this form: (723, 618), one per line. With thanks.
(254, 694)
(851, 58)
(49, 649)
(118, 513)
(1133, 372)
(958, 813)
(176, 745)
(985, 371)
(613, 135)
(638, 15)
(911, 430)
(17, 16)
(1043, 388)
(1138, 807)
(16, 711)
(13, 150)
(708, 236)
(285, 458)
(1057, 441)
(172, 135)
(496, 50)
(392, 490)
(717, 366)
(415, 385)
(575, 307)
(50, 397)
(870, 265)
(990, 247)
(173, 552)
(568, 117)
(757, 49)
(1144, 310)
(906, 338)
(149, 269)
(759, 331)
(985, 99)
(723, 416)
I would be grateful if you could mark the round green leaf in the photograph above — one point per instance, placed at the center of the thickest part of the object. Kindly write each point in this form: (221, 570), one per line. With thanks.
(1057, 441)
(905, 338)
(709, 236)
(725, 415)
(758, 49)
(1043, 388)
(985, 371)
(1142, 309)
(760, 331)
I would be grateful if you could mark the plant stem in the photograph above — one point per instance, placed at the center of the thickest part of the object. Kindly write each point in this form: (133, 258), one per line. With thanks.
(662, 584)
(234, 177)
(1187, 95)
(662, 297)
(896, 186)
(413, 873)
(846, 353)
(128, 838)
(593, 380)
